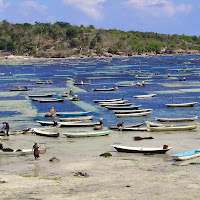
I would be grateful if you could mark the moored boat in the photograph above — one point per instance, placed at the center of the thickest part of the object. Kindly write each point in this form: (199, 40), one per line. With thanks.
(141, 114)
(144, 96)
(116, 104)
(186, 155)
(16, 152)
(84, 118)
(131, 111)
(182, 104)
(128, 149)
(123, 107)
(77, 124)
(65, 114)
(107, 100)
(40, 95)
(104, 89)
(45, 133)
(127, 126)
(183, 119)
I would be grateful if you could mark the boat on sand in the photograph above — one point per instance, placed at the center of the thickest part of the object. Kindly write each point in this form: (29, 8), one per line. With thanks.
(186, 155)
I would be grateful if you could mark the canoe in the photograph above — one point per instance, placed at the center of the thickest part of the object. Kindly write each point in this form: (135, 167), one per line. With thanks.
(50, 100)
(16, 152)
(186, 155)
(116, 104)
(104, 89)
(107, 100)
(66, 114)
(40, 95)
(127, 126)
(112, 102)
(130, 111)
(145, 96)
(45, 133)
(39, 99)
(44, 82)
(87, 134)
(82, 83)
(84, 118)
(128, 149)
(123, 107)
(141, 114)
(130, 85)
(134, 129)
(46, 123)
(182, 104)
(18, 89)
(77, 124)
(183, 119)
(171, 128)
(143, 76)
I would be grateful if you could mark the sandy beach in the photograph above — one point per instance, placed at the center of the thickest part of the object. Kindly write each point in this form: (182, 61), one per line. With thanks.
(117, 177)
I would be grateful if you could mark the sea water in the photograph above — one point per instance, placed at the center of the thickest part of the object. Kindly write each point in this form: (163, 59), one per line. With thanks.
(21, 112)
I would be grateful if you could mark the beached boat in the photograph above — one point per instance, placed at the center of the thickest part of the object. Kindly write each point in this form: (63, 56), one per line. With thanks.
(182, 104)
(45, 133)
(186, 155)
(16, 152)
(44, 82)
(131, 111)
(123, 107)
(40, 95)
(171, 128)
(50, 100)
(87, 134)
(141, 114)
(127, 126)
(107, 100)
(77, 124)
(66, 114)
(47, 123)
(128, 149)
(116, 104)
(145, 96)
(84, 118)
(82, 83)
(134, 129)
(183, 119)
(143, 76)
(113, 102)
(104, 89)
(39, 99)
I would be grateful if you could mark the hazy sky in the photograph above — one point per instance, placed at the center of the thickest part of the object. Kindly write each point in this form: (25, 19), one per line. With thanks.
(160, 16)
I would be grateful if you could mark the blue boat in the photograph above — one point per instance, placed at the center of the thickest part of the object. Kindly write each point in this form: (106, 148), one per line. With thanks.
(186, 155)
(123, 107)
(66, 114)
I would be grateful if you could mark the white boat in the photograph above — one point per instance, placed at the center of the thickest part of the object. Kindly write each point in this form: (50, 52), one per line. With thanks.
(116, 104)
(77, 124)
(145, 96)
(128, 149)
(183, 119)
(112, 102)
(141, 114)
(42, 132)
(182, 104)
(83, 118)
(131, 111)
(16, 152)
(107, 100)
(186, 155)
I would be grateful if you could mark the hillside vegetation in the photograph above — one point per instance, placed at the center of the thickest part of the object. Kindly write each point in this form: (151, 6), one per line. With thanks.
(64, 40)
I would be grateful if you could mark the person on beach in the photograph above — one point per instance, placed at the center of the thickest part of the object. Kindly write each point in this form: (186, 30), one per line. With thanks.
(36, 150)
(52, 111)
(7, 128)
(120, 125)
(1, 144)
(71, 93)
(100, 126)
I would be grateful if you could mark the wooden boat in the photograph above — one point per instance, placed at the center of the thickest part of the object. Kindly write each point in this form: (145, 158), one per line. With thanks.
(40, 95)
(38, 99)
(136, 138)
(50, 100)
(87, 134)
(18, 89)
(112, 102)
(183, 119)
(66, 114)
(171, 128)
(143, 76)
(123, 107)
(82, 83)
(116, 104)
(128, 149)
(145, 96)
(182, 104)
(84, 118)
(46, 123)
(45, 133)
(104, 89)
(77, 124)
(107, 100)
(141, 114)
(44, 82)
(16, 152)
(127, 126)
(130, 85)
(186, 155)
(134, 129)
(130, 111)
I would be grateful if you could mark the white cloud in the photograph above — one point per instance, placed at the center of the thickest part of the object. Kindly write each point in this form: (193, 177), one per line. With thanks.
(4, 5)
(90, 7)
(159, 7)
(29, 6)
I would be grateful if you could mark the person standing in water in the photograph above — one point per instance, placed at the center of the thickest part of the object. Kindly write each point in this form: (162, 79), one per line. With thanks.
(52, 111)
(35, 150)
